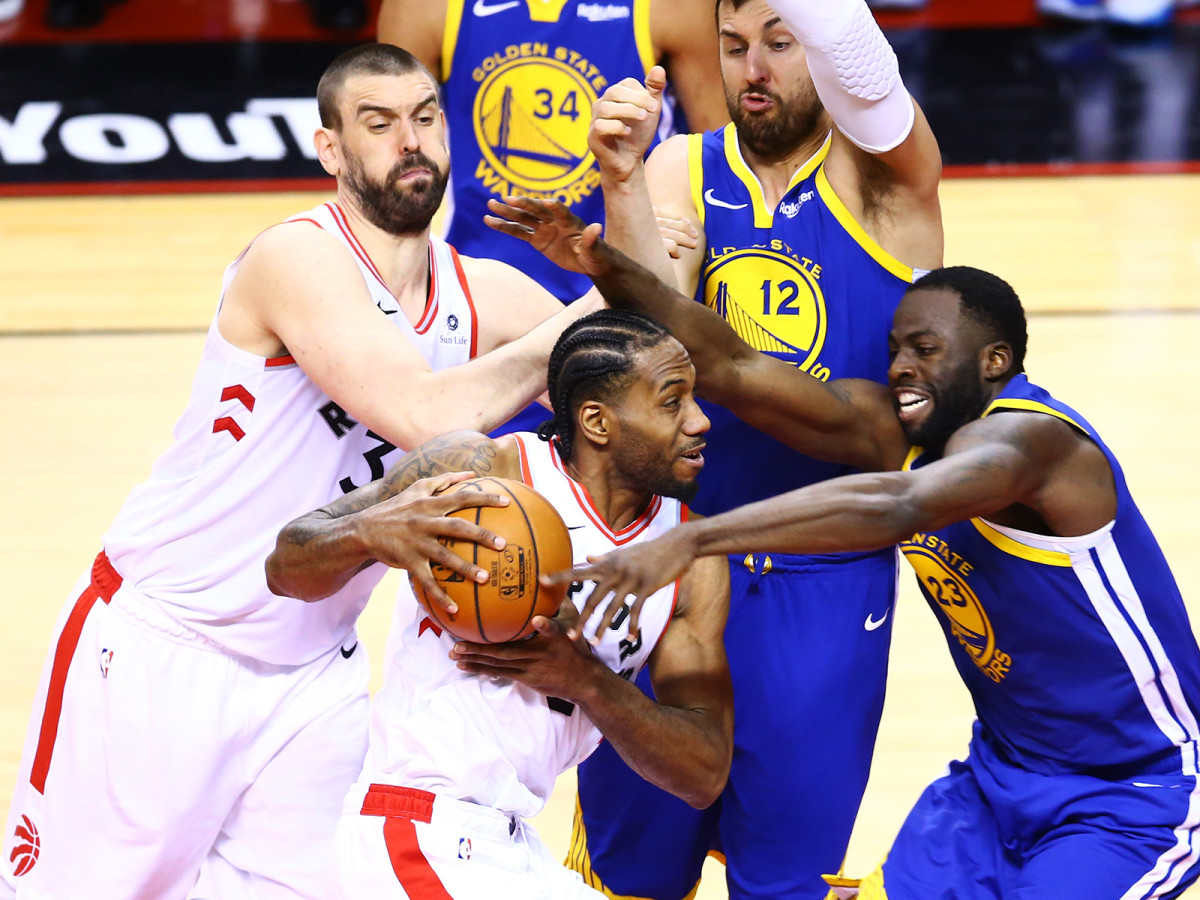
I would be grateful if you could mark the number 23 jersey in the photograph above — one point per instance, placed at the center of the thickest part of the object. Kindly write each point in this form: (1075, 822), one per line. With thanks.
(258, 445)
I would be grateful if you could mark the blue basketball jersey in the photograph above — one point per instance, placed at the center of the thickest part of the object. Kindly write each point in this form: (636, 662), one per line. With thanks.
(804, 283)
(1077, 651)
(520, 77)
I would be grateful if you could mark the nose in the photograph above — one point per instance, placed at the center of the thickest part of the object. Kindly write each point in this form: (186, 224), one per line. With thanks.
(408, 140)
(757, 71)
(696, 422)
(902, 366)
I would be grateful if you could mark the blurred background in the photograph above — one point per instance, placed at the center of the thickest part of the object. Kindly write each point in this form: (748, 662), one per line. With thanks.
(143, 143)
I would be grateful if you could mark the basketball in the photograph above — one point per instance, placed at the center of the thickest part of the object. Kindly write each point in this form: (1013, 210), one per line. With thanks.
(502, 608)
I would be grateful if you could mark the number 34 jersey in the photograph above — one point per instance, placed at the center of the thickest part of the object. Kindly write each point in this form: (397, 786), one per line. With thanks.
(258, 445)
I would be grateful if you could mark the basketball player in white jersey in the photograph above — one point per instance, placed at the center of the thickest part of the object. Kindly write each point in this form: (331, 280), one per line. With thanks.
(467, 739)
(194, 734)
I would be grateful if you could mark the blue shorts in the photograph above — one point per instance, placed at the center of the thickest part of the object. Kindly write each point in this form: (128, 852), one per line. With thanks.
(990, 830)
(807, 645)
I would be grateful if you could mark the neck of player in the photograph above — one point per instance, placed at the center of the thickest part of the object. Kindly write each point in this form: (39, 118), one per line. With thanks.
(618, 501)
(775, 172)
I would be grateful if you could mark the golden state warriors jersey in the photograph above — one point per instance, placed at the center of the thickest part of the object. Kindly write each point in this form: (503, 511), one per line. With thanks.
(520, 78)
(802, 282)
(1077, 651)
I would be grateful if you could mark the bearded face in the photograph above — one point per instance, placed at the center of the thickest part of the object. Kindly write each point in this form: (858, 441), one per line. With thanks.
(403, 201)
(771, 123)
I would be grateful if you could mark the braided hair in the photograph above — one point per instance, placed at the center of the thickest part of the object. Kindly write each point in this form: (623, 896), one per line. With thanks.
(594, 354)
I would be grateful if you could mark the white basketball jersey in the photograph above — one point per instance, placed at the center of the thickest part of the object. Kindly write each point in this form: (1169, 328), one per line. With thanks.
(258, 445)
(493, 741)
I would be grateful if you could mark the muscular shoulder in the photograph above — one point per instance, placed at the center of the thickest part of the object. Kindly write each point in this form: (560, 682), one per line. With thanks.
(417, 26)
(669, 178)
(704, 589)
(508, 302)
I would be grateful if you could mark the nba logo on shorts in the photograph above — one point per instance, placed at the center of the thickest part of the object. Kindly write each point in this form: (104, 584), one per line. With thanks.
(106, 656)
(464, 848)
(26, 848)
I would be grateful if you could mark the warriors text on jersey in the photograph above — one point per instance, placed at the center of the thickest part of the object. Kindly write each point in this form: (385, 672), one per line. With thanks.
(495, 742)
(802, 282)
(1077, 651)
(258, 445)
(520, 79)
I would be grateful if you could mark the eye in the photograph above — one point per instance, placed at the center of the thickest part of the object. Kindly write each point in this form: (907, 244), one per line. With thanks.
(671, 402)
(425, 120)
(780, 45)
(925, 349)
(377, 126)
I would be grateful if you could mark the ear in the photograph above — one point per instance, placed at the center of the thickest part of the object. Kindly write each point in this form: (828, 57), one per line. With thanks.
(328, 151)
(996, 361)
(593, 423)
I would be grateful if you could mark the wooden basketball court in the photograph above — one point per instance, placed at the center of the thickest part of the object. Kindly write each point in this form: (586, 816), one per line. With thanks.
(103, 307)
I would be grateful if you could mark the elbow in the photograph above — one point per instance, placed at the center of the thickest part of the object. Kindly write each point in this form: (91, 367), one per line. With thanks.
(708, 788)
(282, 583)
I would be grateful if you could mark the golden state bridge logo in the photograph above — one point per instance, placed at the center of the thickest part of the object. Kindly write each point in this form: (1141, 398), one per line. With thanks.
(773, 302)
(532, 111)
(943, 576)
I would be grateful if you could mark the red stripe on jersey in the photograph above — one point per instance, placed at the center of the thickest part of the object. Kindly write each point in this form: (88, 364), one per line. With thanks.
(462, 280)
(226, 423)
(275, 361)
(412, 869)
(105, 582)
(523, 455)
(584, 499)
(431, 305)
(343, 225)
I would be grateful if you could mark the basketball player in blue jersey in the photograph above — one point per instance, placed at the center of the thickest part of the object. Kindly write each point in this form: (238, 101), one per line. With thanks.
(812, 210)
(1060, 610)
(519, 79)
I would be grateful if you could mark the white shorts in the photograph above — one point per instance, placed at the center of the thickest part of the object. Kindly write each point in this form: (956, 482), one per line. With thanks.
(157, 765)
(397, 843)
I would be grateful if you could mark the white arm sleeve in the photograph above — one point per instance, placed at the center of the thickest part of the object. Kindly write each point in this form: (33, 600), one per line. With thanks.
(854, 70)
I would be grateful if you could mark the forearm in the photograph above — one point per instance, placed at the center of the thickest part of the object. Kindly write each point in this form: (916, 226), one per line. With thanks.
(854, 70)
(851, 513)
(631, 226)
(486, 392)
(683, 751)
(713, 346)
(315, 555)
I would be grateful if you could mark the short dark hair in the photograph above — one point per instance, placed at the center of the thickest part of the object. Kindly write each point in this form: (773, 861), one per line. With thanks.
(594, 360)
(365, 59)
(988, 300)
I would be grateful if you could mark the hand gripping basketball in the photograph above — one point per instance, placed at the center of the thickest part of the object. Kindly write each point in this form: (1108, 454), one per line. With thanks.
(502, 608)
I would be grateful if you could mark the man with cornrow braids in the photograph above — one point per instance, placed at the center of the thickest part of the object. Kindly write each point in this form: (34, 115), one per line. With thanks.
(467, 739)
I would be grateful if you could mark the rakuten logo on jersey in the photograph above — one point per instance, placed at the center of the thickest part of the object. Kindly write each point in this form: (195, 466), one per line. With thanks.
(257, 134)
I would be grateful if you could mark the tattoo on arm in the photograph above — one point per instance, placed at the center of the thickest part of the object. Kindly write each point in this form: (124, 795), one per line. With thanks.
(448, 453)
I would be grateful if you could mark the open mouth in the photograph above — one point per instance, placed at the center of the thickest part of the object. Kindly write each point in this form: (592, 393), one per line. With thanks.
(911, 404)
(694, 457)
(757, 102)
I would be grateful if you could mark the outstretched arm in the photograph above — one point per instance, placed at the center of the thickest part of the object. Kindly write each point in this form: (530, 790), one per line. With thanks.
(684, 742)
(989, 465)
(847, 421)
(396, 520)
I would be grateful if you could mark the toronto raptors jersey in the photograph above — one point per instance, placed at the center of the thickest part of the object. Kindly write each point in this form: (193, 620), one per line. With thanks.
(1076, 650)
(493, 741)
(258, 445)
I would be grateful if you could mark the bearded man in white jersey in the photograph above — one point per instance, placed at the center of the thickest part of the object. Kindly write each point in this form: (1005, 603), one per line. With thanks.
(467, 739)
(194, 734)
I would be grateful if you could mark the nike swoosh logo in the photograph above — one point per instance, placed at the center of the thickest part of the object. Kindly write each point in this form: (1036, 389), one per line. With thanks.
(575, 527)
(346, 654)
(482, 9)
(713, 201)
(871, 624)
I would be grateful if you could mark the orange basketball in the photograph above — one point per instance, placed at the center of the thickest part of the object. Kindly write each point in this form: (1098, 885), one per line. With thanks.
(502, 607)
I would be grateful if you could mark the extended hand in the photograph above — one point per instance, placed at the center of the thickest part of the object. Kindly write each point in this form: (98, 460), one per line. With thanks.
(636, 571)
(624, 122)
(554, 231)
(677, 233)
(408, 531)
(550, 661)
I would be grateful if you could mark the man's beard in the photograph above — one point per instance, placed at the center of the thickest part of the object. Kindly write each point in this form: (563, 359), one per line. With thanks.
(957, 401)
(398, 210)
(653, 472)
(776, 133)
